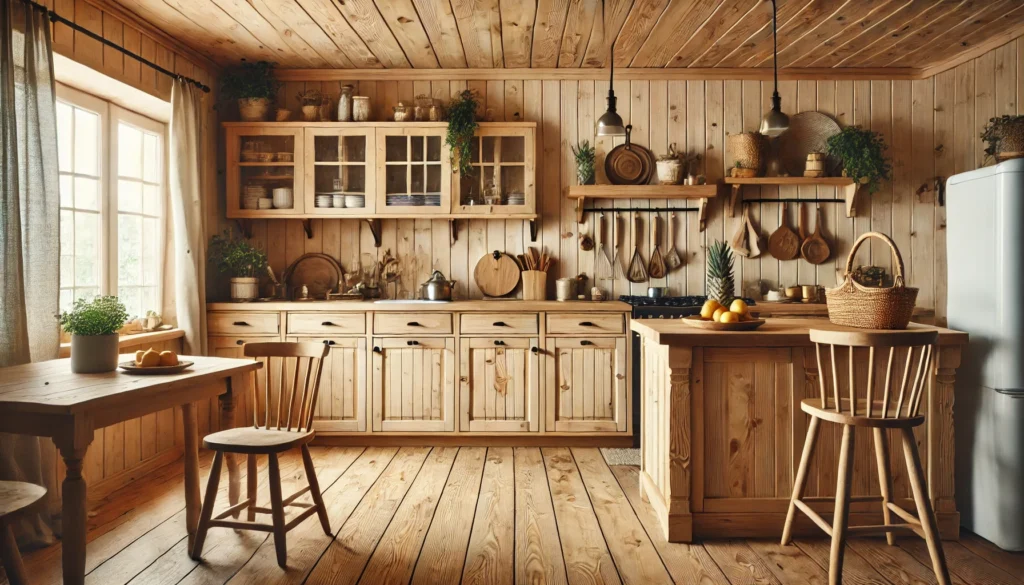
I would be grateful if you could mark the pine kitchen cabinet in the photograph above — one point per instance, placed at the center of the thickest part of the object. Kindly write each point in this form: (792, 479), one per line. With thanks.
(478, 372)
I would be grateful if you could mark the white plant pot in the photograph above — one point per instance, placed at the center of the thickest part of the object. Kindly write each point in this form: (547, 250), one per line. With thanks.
(245, 289)
(669, 171)
(94, 354)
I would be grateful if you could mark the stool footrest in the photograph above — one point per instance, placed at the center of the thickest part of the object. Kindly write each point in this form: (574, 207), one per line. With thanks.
(241, 525)
(853, 499)
(907, 516)
(807, 510)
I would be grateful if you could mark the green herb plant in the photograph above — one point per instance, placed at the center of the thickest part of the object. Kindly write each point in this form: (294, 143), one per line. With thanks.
(100, 316)
(236, 256)
(461, 127)
(585, 155)
(862, 153)
(251, 79)
(1003, 135)
(310, 97)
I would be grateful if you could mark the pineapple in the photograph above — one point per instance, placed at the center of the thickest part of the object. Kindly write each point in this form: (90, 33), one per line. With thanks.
(720, 281)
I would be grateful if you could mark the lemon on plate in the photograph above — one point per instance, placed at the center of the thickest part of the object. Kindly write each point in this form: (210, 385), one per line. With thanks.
(729, 317)
(709, 308)
(718, 314)
(739, 307)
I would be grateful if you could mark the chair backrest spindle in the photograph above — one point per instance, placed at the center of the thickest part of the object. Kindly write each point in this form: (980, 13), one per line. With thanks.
(293, 418)
(914, 380)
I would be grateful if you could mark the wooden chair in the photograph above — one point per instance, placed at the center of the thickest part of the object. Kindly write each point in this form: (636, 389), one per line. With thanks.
(898, 409)
(15, 498)
(290, 428)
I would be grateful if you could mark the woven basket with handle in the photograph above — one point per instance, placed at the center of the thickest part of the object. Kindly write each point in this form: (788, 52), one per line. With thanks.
(854, 305)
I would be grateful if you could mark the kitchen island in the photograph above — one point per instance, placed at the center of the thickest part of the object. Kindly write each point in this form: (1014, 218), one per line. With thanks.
(722, 431)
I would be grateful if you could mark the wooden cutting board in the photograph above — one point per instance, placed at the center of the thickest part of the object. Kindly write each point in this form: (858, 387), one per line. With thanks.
(496, 274)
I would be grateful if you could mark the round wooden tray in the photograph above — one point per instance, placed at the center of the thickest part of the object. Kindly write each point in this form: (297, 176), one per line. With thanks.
(130, 367)
(701, 323)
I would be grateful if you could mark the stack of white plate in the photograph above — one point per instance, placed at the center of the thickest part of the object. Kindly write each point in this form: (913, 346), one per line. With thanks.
(251, 196)
(516, 198)
(355, 200)
(266, 203)
(400, 200)
(324, 201)
(432, 199)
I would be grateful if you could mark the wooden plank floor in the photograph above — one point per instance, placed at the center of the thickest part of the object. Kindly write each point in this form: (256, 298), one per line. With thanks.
(474, 515)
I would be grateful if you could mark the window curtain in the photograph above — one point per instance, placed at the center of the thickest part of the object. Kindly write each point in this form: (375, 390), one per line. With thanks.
(29, 236)
(187, 214)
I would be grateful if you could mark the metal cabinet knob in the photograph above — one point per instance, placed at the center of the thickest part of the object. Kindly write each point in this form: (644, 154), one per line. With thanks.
(241, 324)
(586, 324)
(499, 342)
(377, 350)
(239, 342)
(585, 342)
(412, 343)
(413, 324)
(328, 324)
(535, 349)
(499, 324)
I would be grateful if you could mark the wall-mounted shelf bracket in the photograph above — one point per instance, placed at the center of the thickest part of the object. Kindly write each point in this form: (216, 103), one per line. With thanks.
(453, 230)
(533, 230)
(307, 226)
(702, 214)
(375, 230)
(245, 227)
(846, 187)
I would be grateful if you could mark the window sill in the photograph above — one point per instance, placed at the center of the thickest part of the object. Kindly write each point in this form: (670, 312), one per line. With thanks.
(131, 340)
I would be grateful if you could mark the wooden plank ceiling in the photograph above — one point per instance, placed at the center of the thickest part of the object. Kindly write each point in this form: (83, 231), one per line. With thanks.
(545, 34)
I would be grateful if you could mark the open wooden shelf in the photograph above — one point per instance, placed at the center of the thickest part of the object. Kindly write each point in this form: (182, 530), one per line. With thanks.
(845, 184)
(702, 192)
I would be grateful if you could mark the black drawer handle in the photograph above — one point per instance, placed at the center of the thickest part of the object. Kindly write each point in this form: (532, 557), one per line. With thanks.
(377, 350)
(535, 349)
(499, 342)
(241, 324)
(413, 324)
(327, 324)
(499, 324)
(412, 343)
(329, 342)
(585, 342)
(239, 342)
(586, 324)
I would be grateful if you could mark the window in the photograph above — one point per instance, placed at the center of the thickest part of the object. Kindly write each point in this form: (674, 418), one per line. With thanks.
(112, 200)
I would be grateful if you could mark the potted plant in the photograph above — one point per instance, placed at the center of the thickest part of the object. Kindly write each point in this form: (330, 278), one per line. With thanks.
(461, 128)
(1005, 137)
(311, 100)
(670, 168)
(585, 156)
(253, 85)
(862, 153)
(93, 326)
(242, 261)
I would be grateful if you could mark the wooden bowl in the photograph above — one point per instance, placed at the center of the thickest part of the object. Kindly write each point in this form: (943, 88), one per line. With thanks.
(130, 367)
(702, 323)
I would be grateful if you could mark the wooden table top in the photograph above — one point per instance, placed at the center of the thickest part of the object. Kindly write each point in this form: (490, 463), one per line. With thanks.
(774, 333)
(51, 388)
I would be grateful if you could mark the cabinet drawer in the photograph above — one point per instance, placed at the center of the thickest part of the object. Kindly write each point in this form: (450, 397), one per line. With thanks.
(586, 324)
(412, 323)
(498, 324)
(328, 324)
(238, 323)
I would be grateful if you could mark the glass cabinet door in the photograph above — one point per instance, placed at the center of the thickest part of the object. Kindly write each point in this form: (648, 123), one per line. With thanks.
(262, 171)
(339, 172)
(413, 172)
(502, 181)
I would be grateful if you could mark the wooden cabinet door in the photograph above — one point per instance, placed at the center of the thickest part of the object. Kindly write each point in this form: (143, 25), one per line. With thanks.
(340, 153)
(341, 402)
(414, 172)
(500, 382)
(501, 155)
(260, 155)
(413, 384)
(586, 384)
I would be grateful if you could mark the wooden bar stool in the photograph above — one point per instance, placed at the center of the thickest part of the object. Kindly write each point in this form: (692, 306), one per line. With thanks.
(901, 393)
(15, 498)
(291, 427)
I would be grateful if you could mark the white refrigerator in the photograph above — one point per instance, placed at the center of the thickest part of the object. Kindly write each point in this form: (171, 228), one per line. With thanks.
(985, 253)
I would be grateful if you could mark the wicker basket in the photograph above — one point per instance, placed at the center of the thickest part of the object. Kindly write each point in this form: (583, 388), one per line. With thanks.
(253, 109)
(854, 305)
(748, 149)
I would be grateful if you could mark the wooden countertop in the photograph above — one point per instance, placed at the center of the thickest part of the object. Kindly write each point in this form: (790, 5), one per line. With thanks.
(503, 305)
(774, 333)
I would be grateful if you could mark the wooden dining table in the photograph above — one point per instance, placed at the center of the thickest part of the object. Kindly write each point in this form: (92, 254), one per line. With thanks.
(46, 399)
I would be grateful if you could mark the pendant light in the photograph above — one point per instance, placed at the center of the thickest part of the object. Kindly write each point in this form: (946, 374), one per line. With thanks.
(775, 122)
(610, 123)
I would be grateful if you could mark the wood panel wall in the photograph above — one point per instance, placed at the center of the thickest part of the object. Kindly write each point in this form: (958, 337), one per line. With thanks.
(931, 127)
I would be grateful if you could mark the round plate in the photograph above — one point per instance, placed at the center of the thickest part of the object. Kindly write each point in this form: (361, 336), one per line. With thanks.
(319, 272)
(629, 163)
(808, 132)
(701, 323)
(130, 367)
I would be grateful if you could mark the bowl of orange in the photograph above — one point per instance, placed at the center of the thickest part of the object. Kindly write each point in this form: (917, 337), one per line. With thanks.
(152, 362)
(716, 317)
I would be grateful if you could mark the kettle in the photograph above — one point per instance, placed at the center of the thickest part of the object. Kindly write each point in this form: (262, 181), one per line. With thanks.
(437, 288)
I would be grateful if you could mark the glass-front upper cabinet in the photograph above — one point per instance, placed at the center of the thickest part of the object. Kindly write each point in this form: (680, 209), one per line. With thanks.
(502, 181)
(264, 171)
(413, 171)
(339, 171)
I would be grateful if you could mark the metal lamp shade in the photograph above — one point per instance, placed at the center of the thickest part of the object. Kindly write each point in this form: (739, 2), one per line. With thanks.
(774, 123)
(610, 124)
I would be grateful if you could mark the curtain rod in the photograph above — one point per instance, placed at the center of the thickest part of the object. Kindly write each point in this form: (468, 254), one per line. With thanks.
(54, 17)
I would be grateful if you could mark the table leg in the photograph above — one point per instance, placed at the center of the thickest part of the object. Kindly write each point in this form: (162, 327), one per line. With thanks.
(237, 386)
(193, 502)
(73, 516)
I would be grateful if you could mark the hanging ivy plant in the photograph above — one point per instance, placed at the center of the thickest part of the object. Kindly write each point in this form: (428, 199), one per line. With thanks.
(862, 153)
(461, 127)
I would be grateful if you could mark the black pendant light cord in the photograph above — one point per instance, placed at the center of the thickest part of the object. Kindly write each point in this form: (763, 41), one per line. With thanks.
(776, 100)
(54, 17)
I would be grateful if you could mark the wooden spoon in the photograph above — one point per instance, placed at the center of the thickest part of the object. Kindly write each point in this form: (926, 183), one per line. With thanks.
(657, 267)
(784, 244)
(815, 249)
(637, 272)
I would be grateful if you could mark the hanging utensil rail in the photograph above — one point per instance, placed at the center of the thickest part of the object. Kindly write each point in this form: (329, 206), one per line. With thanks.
(794, 200)
(642, 209)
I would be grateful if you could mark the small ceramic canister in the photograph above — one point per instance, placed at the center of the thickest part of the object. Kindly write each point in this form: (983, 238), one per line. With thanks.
(565, 289)
(360, 108)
